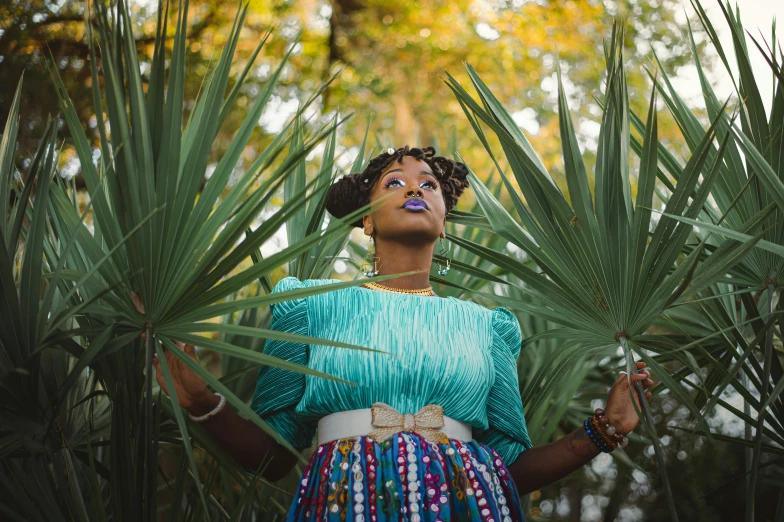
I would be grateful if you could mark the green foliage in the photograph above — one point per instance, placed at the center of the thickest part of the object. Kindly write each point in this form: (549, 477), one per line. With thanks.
(748, 195)
(169, 242)
(50, 408)
(608, 270)
(162, 256)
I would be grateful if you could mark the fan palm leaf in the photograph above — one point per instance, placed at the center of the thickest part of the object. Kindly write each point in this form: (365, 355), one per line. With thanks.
(607, 269)
(167, 244)
(50, 408)
(749, 189)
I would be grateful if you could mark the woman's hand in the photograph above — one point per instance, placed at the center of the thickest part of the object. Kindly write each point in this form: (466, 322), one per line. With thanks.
(620, 410)
(192, 391)
(248, 444)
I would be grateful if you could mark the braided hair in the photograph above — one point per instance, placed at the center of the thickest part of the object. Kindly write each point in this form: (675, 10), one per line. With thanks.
(353, 190)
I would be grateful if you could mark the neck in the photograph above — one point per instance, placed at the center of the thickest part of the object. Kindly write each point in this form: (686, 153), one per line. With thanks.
(395, 257)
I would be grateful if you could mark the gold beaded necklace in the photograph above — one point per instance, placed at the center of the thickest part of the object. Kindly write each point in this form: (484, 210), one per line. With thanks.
(422, 291)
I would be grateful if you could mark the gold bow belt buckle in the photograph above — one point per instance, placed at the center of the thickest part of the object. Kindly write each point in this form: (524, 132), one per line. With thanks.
(381, 421)
(427, 422)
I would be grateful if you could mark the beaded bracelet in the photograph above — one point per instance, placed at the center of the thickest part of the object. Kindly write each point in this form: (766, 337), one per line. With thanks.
(602, 433)
(595, 437)
(609, 431)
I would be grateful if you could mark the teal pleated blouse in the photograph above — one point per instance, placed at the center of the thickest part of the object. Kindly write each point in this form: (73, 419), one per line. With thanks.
(454, 353)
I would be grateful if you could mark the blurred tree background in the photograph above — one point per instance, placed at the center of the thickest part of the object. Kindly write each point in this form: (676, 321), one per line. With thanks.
(389, 59)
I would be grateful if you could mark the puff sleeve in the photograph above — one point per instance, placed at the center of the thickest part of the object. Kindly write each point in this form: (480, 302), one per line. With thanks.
(507, 432)
(279, 391)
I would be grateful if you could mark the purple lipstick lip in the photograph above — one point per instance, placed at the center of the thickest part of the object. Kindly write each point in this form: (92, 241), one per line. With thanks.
(415, 203)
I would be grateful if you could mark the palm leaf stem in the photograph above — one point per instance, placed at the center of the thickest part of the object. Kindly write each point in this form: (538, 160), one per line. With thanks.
(650, 427)
(152, 457)
(178, 416)
(766, 366)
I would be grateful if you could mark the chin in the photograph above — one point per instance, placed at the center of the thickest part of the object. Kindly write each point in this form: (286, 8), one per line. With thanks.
(414, 229)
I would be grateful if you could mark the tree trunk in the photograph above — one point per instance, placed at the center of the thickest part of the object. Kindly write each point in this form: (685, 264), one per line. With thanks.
(404, 121)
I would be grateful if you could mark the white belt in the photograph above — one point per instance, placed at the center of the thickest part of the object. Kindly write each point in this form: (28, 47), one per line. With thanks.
(381, 421)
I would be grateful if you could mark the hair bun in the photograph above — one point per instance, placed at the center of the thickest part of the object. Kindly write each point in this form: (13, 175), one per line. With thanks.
(454, 179)
(345, 196)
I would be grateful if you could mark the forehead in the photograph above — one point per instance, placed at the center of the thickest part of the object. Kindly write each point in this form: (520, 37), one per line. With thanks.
(409, 164)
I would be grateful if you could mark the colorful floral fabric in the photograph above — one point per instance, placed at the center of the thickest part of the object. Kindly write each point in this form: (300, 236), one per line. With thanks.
(405, 478)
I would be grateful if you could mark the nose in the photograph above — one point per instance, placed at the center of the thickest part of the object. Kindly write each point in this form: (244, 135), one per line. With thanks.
(414, 192)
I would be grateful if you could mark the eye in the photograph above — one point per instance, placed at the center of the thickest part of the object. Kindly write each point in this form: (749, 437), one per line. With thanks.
(392, 180)
(402, 183)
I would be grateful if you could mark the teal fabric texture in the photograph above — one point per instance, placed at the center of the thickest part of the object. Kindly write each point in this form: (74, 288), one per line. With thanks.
(445, 351)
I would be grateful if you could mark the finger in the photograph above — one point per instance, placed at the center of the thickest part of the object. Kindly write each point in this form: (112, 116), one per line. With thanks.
(158, 372)
(640, 364)
(647, 395)
(637, 377)
(190, 350)
(171, 359)
(136, 299)
(169, 362)
(179, 345)
(647, 383)
(144, 335)
(161, 382)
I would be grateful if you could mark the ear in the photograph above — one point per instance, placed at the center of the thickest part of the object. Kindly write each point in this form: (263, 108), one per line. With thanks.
(367, 225)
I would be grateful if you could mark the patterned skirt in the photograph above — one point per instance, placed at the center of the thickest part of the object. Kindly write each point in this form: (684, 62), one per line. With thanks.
(405, 478)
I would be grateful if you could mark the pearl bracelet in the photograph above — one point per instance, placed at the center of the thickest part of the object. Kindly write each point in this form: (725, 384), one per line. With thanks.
(218, 408)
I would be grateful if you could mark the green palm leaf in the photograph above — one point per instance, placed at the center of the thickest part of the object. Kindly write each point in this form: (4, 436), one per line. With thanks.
(169, 247)
(748, 194)
(607, 269)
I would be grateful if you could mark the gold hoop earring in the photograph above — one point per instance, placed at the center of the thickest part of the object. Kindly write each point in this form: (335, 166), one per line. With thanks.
(443, 270)
(370, 257)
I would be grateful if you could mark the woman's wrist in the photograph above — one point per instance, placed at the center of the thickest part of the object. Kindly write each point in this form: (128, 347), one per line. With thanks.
(581, 445)
(604, 434)
(205, 404)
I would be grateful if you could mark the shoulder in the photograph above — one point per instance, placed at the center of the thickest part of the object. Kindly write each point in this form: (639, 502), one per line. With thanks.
(506, 331)
(292, 306)
(294, 283)
(286, 284)
(504, 317)
(500, 317)
(502, 320)
(466, 306)
(507, 327)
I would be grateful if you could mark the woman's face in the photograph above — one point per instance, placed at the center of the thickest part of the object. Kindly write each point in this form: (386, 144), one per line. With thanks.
(399, 215)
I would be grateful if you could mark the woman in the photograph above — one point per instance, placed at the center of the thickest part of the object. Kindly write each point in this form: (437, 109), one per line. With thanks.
(435, 431)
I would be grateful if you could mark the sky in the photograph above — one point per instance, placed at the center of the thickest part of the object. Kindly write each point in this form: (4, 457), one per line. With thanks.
(756, 16)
